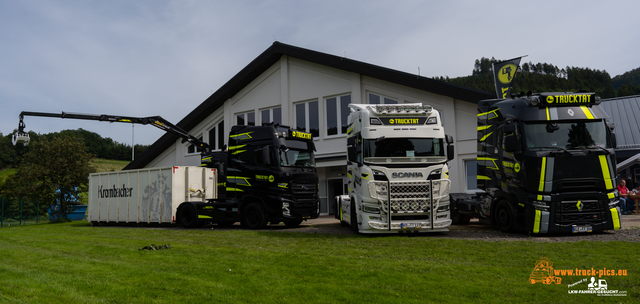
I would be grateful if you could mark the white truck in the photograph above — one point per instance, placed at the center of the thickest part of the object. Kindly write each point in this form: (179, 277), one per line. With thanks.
(149, 196)
(397, 170)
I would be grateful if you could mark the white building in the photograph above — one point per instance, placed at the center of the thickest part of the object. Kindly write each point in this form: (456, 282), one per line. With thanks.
(304, 88)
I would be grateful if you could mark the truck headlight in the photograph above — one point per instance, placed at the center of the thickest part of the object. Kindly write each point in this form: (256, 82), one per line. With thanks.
(378, 190)
(285, 209)
(370, 209)
(613, 203)
(541, 205)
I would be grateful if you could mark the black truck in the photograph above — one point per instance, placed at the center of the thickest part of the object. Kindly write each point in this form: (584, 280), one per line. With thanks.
(267, 174)
(546, 164)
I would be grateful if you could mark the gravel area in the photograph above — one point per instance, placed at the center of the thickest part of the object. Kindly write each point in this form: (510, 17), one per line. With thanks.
(476, 231)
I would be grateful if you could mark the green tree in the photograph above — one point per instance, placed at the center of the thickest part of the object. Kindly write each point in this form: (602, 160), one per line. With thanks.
(54, 170)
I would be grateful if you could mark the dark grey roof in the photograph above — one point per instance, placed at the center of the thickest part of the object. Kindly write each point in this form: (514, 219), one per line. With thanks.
(270, 56)
(628, 163)
(624, 112)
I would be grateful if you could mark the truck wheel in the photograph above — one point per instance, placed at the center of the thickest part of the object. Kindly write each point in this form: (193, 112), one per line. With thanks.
(504, 216)
(293, 223)
(254, 216)
(353, 217)
(188, 217)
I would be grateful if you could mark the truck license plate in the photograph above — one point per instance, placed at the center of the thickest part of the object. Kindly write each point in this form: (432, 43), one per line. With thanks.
(580, 229)
(409, 225)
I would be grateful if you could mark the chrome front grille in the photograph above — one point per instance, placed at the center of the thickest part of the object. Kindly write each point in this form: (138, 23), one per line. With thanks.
(410, 197)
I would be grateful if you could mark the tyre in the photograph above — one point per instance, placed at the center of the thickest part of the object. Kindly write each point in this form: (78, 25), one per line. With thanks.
(293, 223)
(254, 216)
(353, 217)
(504, 216)
(188, 216)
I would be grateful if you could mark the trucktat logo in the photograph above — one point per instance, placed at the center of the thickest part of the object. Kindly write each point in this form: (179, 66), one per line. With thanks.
(270, 178)
(299, 134)
(506, 73)
(406, 174)
(115, 192)
(567, 99)
(404, 121)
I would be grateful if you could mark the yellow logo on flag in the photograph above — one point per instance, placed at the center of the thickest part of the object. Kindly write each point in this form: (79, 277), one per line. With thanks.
(506, 73)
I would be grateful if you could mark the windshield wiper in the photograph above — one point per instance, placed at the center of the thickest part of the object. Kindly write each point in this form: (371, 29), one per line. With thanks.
(601, 148)
(555, 148)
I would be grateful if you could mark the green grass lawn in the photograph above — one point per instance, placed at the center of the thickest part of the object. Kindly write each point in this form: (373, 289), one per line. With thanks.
(109, 165)
(77, 263)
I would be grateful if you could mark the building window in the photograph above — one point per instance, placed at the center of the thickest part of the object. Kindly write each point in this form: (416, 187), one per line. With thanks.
(273, 115)
(216, 136)
(471, 169)
(246, 119)
(378, 99)
(306, 116)
(337, 113)
(191, 149)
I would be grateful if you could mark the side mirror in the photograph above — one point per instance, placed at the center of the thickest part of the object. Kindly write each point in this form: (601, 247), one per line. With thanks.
(509, 128)
(448, 139)
(351, 149)
(450, 152)
(614, 141)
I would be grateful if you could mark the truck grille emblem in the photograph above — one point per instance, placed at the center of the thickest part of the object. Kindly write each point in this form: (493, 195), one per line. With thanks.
(406, 174)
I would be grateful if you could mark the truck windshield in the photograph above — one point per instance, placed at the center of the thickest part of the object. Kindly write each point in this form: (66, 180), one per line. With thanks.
(403, 147)
(566, 135)
(297, 158)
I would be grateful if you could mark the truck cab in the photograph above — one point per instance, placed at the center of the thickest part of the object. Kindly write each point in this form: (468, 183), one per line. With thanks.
(546, 164)
(397, 170)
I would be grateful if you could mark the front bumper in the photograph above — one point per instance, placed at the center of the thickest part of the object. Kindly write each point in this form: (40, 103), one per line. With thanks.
(573, 213)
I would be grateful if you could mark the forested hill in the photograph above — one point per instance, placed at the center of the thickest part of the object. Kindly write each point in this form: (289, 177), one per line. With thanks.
(544, 77)
(99, 147)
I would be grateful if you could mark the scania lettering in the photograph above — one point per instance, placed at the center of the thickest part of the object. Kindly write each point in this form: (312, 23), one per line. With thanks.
(397, 170)
(267, 175)
(546, 164)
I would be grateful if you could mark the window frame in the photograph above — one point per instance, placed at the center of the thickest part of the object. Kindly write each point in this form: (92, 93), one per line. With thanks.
(466, 163)
(341, 118)
(191, 149)
(383, 98)
(217, 143)
(271, 116)
(307, 127)
(245, 117)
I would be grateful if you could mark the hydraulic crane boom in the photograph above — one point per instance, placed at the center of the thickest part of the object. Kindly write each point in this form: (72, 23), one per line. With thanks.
(156, 121)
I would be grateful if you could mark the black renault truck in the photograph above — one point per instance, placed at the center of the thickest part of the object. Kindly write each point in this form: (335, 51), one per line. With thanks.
(266, 175)
(546, 164)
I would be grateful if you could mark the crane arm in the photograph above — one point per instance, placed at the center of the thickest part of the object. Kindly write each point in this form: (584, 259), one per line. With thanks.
(156, 121)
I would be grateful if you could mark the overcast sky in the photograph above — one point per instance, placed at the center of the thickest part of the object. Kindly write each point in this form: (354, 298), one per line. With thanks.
(155, 57)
